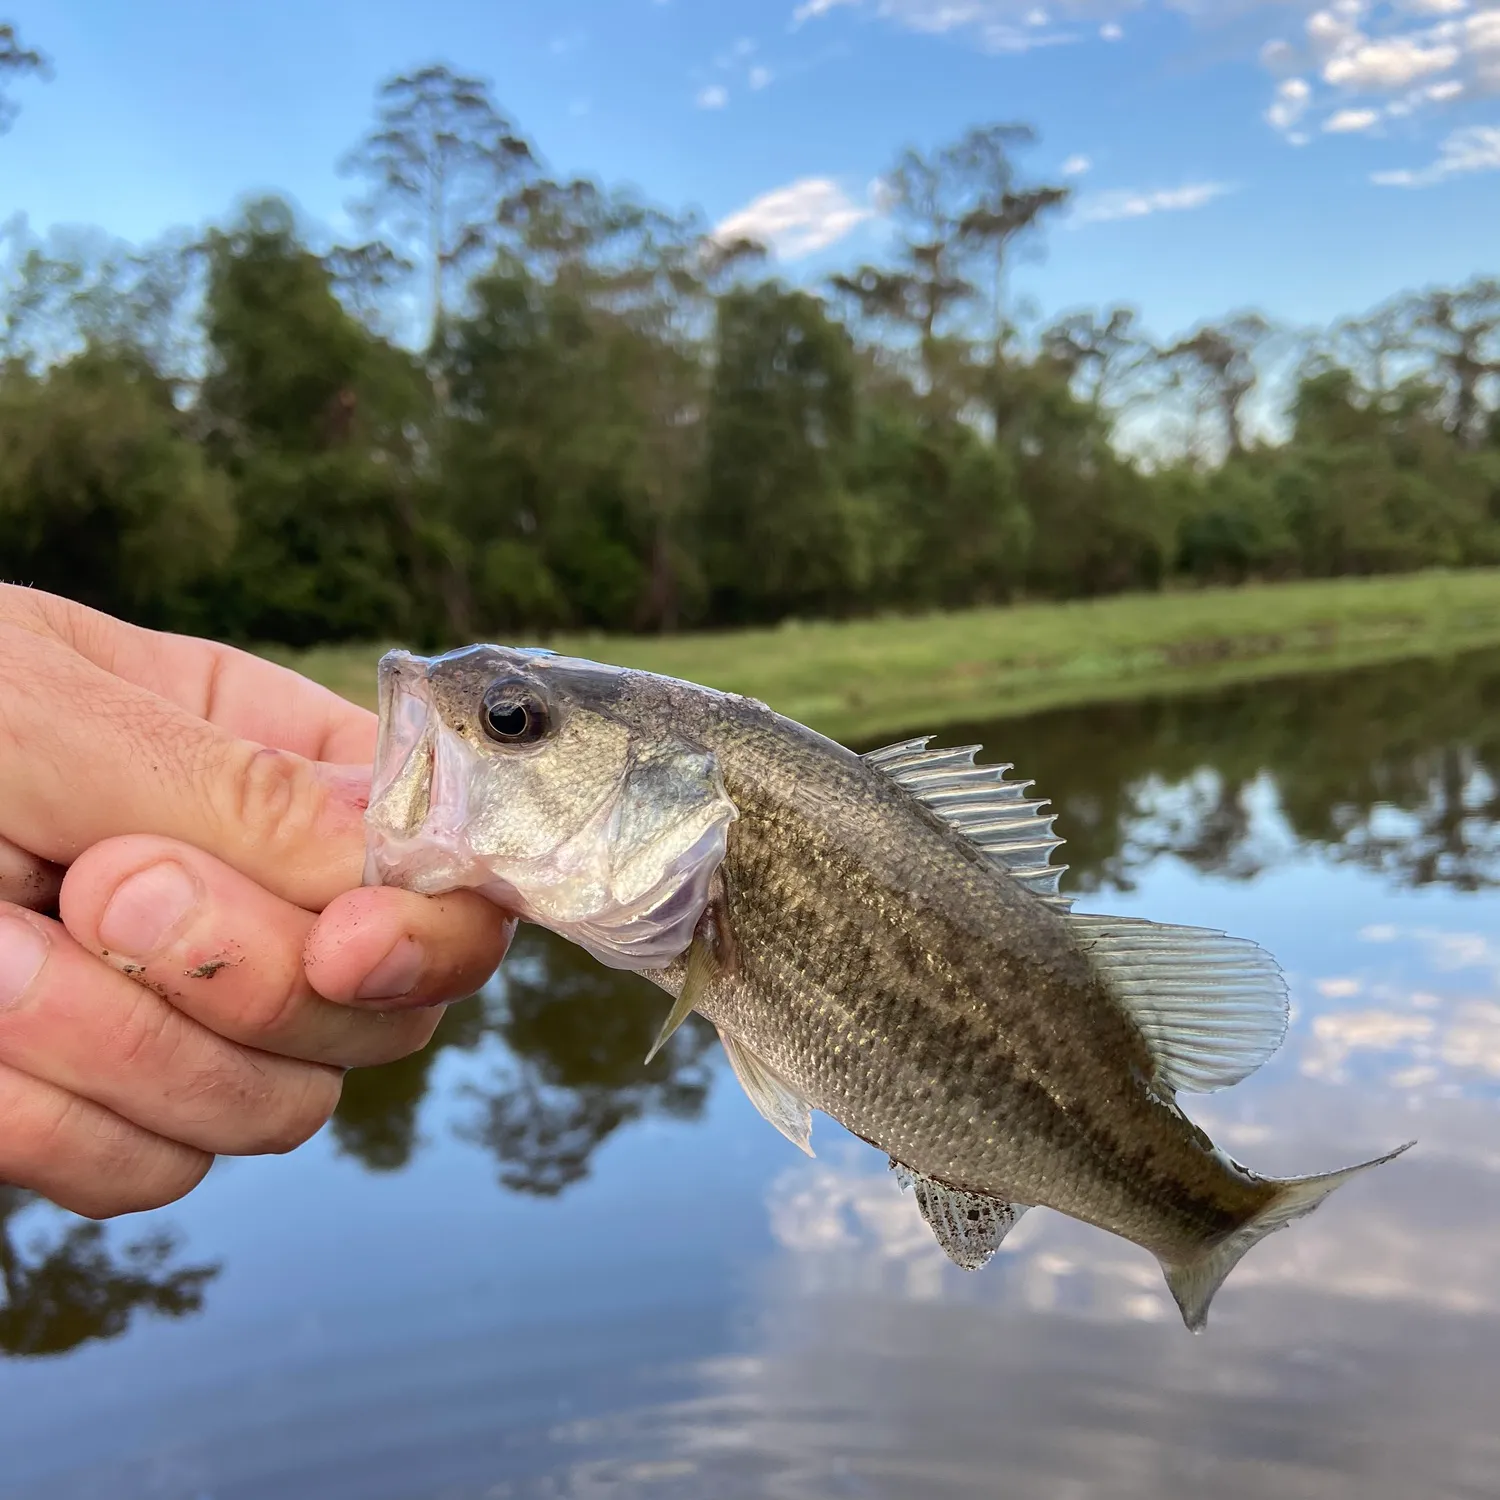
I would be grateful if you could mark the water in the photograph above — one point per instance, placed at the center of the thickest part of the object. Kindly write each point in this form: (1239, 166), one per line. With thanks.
(523, 1265)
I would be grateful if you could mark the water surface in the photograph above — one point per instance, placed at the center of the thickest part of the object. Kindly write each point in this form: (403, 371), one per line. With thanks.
(525, 1265)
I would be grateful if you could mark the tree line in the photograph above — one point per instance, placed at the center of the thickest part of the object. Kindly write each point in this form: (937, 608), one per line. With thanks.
(516, 404)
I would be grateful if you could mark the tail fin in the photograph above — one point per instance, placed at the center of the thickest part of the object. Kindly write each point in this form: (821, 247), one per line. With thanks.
(1194, 1282)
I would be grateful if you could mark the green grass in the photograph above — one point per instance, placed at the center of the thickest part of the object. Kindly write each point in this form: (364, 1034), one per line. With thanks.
(873, 677)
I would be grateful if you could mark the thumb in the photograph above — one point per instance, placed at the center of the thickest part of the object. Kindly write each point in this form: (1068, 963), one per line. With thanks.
(86, 756)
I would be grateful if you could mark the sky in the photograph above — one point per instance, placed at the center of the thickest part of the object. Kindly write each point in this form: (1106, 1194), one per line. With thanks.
(1307, 160)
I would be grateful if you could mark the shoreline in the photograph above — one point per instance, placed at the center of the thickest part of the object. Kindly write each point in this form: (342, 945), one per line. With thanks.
(856, 680)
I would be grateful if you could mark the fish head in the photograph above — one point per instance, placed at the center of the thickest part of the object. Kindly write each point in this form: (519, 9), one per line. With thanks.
(559, 788)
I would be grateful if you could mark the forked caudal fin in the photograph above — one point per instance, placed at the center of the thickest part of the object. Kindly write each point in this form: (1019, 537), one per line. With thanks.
(1194, 1282)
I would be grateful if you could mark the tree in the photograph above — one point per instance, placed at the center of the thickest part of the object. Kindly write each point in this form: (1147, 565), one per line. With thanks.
(781, 424)
(1459, 332)
(437, 165)
(16, 61)
(81, 289)
(999, 212)
(316, 421)
(1215, 367)
(103, 494)
(1098, 358)
(959, 212)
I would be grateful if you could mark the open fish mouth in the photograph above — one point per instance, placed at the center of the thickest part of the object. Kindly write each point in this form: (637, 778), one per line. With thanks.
(419, 792)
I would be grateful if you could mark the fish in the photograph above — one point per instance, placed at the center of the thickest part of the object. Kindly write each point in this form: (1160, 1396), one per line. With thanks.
(882, 937)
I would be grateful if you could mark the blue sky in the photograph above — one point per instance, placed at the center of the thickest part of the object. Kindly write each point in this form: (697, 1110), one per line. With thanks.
(1305, 159)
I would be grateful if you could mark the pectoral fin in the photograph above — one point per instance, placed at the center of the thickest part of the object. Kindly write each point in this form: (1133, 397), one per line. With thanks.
(709, 955)
(702, 967)
(782, 1105)
(969, 1226)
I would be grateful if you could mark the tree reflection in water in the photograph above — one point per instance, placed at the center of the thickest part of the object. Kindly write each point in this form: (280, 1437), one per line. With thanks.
(76, 1286)
(1395, 768)
(576, 1034)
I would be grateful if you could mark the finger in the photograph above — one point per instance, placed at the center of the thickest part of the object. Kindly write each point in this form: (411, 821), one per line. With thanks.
(388, 947)
(229, 954)
(83, 1157)
(89, 756)
(249, 697)
(26, 880)
(74, 1022)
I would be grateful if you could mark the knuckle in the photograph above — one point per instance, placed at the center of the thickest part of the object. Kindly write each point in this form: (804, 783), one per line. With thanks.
(273, 1010)
(147, 1034)
(269, 793)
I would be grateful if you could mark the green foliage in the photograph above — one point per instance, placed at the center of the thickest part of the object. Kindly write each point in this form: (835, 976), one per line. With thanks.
(614, 422)
(102, 496)
(778, 532)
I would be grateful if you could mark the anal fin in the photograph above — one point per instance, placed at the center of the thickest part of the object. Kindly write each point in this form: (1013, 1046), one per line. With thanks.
(969, 1226)
(777, 1101)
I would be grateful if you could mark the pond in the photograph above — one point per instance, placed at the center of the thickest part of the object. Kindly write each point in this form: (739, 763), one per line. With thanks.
(523, 1264)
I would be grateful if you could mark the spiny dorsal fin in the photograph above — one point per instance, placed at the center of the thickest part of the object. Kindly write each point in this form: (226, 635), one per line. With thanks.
(1212, 1008)
(969, 1226)
(994, 814)
(778, 1102)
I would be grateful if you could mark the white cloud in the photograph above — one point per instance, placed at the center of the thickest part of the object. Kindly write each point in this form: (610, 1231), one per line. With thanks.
(1481, 41)
(1397, 58)
(1347, 120)
(715, 96)
(807, 215)
(1389, 64)
(1075, 166)
(759, 77)
(1279, 56)
(995, 25)
(1111, 32)
(1473, 149)
(1290, 103)
(813, 8)
(1127, 203)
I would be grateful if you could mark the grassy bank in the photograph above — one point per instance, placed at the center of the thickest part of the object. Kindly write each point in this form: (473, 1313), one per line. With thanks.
(875, 677)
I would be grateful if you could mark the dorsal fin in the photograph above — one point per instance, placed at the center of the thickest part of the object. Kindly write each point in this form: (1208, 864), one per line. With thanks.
(994, 814)
(1211, 1008)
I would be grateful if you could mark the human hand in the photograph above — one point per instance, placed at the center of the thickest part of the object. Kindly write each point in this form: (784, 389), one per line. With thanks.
(194, 815)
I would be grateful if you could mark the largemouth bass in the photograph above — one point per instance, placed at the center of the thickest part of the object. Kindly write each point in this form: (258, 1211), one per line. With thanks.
(881, 937)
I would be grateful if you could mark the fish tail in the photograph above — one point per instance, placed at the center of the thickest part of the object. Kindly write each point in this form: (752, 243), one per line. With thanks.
(1193, 1282)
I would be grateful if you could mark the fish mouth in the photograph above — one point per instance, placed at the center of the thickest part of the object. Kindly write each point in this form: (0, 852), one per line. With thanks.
(419, 802)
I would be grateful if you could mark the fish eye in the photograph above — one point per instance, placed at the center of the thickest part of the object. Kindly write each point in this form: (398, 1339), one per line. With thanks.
(514, 714)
